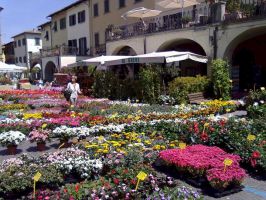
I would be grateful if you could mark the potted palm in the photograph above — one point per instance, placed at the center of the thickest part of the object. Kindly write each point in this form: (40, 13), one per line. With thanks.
(11, 139)
(40, 137)
(185, 20)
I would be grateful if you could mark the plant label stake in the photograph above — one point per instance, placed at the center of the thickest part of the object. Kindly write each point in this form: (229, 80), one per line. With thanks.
(141, 177)
(36, 178)
(61, 146)
(227, 163)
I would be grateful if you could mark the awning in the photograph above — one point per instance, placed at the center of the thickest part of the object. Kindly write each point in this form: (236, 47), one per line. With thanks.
(11, 68)
(155, 57)
(163, 57)
(101, 60)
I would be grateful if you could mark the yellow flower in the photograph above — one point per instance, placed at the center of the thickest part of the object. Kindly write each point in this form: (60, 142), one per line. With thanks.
(163, 147)
(44, 126)
(251, 137)
(262, 88)
(228, 110)
(157, 147)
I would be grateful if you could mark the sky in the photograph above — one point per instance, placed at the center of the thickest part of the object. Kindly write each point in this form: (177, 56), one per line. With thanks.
(21, 15)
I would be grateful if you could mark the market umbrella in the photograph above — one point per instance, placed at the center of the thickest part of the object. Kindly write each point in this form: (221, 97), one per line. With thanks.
(98, 61)
(176, 4)
(141, 13)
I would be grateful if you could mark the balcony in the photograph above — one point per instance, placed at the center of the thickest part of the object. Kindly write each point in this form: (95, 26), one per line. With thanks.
(167, 23)
(248, 11)
(99, 50)
(64, 51)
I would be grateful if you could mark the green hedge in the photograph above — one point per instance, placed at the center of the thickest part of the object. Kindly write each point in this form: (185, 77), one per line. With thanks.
(180, 87)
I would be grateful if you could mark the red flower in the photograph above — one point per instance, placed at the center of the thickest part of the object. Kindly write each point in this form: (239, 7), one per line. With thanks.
(204, 136)
(65, 190)
(116, 181)
(211, 129)
(77, 188)
(133, 181)
(125, 171)
(113, 171)
(256, 154)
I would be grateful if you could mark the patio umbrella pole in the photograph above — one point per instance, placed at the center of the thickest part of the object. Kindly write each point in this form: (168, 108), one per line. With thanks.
(182, 9)
(145, 45)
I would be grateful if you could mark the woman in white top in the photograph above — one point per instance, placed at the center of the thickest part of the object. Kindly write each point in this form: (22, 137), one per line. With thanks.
(75, 90)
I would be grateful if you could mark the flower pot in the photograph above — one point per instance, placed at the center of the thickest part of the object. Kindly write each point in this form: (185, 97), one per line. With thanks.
(41, 146)
(12, 149)
(64, 143)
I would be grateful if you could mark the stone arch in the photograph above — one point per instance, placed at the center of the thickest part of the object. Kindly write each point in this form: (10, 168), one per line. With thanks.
(124, 71)
(125, 50)
(188, 67)
(246, 54)
(50, 69)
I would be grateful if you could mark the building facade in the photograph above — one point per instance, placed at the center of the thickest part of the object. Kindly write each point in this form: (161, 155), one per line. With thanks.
(66, 38)
(8, 50)
(25, 44)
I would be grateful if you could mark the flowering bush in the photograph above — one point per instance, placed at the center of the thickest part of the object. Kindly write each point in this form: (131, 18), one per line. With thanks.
(11, 138)
(39, 135)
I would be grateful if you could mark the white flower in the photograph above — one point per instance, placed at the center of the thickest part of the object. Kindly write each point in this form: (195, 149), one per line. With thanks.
(256, 104)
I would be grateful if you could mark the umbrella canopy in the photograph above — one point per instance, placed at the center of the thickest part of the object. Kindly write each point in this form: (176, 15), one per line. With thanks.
(11, 68)
(175, 4)
(164, 57)
(101, 60)
(141, 13)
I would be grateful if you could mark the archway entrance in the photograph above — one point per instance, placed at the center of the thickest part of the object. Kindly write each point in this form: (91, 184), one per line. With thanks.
(50, 69)
(249, 64)
(187, 67)
(126, 71)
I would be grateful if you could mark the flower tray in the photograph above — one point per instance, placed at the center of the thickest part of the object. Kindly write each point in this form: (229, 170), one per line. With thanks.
(218, 194)
(198, 182)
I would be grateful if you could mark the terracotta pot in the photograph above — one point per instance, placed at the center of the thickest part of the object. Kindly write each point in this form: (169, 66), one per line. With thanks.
(64, 143)
(41, 146)
(12, 149)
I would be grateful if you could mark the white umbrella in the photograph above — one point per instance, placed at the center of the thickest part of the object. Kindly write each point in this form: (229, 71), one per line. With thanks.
(101, 60)
(176, 4)
(141, 13)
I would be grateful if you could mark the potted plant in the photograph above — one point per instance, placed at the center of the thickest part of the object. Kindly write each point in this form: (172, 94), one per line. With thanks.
(40, 136)
(233, 9)
(11, 139)
(185, 20)
(64, 133)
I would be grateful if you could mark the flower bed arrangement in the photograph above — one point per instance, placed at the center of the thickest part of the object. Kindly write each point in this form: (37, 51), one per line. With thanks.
(199, 161)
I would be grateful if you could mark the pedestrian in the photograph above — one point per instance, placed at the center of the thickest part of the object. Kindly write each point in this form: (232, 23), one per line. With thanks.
(74, 88)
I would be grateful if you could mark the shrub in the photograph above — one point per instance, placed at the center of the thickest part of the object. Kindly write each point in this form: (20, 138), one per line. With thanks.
(180, 87)
(221, 79)
(149, 81)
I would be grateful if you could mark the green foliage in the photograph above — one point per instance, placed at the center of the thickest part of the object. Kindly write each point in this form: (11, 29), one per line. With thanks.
(256, 96)
(149, 81)
(232, 6)
(221, 79)
(4, 80)
(180, 87)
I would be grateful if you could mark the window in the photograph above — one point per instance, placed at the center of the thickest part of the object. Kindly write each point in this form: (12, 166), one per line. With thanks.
(37, 41)
(19, 43)
(95, 10)
(72, 47)
(25, 59)
(137, 1)
(62, 23)
(83, 46)
(16, 59)
(106, 6)
(81, 16)
(15, 44)
(46, 35)
(55, 26)
(122, 3)
(20, 59)
(72, 20)
(96, 39)
(24, 41)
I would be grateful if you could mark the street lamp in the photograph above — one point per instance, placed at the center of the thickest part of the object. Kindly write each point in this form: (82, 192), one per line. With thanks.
(1, 35)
